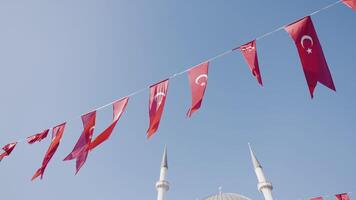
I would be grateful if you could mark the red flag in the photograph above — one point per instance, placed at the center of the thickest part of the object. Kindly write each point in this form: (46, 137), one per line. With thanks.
(158, 93)
(317, 198)
(118, 108)
(7, 149)
(350, 3)
(37, 137)
(81, 148)
(343, 196)
(57, 133)
(249, 51)
(310, 53)
(198, 79)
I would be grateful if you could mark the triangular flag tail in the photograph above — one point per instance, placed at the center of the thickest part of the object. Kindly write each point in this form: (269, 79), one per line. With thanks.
(311, 54)
(249, 51)
(158, 94)
(37, 137)
(57, 133)
(198, 80)
(81, 148)
(7, 149)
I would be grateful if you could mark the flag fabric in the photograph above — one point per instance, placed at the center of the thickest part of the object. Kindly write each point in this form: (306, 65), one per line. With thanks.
(311, 54)
(118, 109)
(158, 94)
(81, 148)
(249, 52)
(7, 149)
(37, 137)
(350, 3)
(57, 133)
(343, 196)
(198, 80)
(317, 198)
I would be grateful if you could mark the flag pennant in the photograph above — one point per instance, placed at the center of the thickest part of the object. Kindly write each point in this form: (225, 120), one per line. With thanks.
(57, 133)
(158, 93)
(311, 54)
(7, 149)
(198, 80)
(81, 148)
(249, 52)
(37, 137)
(317, 198)
(118, 109)
(343, 196)
(350, 3)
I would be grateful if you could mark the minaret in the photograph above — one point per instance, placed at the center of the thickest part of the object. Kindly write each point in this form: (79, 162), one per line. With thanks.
(162, 185)
(263, 186)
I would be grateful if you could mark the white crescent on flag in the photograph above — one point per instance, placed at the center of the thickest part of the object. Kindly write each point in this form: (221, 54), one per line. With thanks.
(199, 77)
(157, 99)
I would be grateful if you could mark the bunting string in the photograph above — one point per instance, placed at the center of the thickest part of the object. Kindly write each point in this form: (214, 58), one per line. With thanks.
(207, 60)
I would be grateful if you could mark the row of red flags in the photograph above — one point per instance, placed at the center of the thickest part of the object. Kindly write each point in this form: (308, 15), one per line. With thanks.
(343, 196)
(313, 63)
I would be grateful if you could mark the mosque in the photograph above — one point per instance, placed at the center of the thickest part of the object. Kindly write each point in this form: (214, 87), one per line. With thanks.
(264, 186)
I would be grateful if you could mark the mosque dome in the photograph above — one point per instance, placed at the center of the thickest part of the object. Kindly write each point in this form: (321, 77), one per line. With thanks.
(226, 196)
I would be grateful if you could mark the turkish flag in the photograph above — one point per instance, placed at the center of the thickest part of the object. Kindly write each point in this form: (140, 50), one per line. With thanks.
(81, 148)
(249, 51)
(158, 94)
(118, 108)
(311, 54)
(198, 80)
(343, 196)
(350, 3)
(57, 133)
(317, 198)
(37, 137)
(7, 149)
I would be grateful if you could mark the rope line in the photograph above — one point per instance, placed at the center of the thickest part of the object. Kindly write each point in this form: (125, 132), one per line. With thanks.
(207, 60)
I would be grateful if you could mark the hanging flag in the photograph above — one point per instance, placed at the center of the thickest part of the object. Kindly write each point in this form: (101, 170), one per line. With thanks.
(317, 198)
(57, 133)
(343, 196)
(158, 93)
(249, 51)
(37, 137)
(350, 3)
(81, 148)
(7, 149)
(118, 108)
(198, 80)
(310, 53)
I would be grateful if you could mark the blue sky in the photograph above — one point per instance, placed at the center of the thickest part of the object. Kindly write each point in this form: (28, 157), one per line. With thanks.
(60, 59)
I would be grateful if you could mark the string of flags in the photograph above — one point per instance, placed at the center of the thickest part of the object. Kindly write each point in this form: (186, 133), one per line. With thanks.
(342, 196)
(310, 52)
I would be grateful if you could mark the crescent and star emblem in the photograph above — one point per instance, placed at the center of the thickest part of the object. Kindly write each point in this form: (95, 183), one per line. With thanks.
(157, 99)
(249, 48)
(307, 37)
(203, 83)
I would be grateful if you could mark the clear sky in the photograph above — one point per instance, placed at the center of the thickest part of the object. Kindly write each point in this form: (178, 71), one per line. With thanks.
(60, 59)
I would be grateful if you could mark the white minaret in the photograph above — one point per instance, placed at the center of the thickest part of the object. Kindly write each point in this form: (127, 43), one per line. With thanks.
(263, 185)
(162, 185)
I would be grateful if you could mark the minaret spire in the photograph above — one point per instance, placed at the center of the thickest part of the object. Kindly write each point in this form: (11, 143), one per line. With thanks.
(162, 185)
(263, 185)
